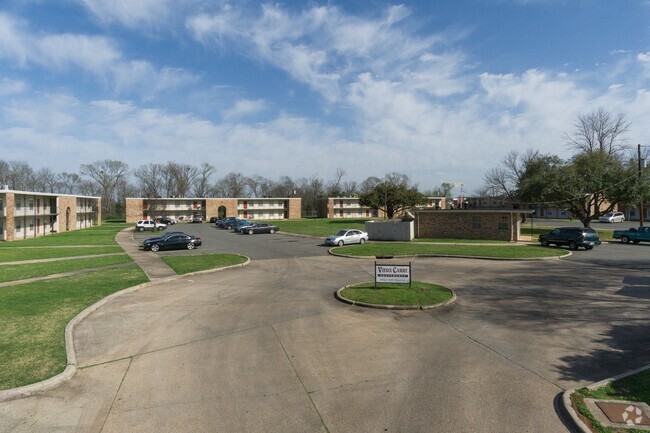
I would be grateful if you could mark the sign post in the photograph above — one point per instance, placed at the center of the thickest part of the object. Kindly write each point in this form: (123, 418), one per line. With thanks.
(396, 274)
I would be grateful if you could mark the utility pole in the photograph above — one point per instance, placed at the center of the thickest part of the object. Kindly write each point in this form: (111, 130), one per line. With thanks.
(638, 149)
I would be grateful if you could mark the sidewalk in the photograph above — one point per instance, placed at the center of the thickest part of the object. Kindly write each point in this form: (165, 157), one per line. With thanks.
(149, 262)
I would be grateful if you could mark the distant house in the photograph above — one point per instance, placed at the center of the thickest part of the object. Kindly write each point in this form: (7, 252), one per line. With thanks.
(502, 225)
(27, 214)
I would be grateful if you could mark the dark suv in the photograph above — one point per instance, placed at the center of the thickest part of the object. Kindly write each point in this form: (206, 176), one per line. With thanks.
(574, 237)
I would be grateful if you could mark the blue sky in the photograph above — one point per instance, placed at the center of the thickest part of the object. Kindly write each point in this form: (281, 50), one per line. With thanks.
(440, 90)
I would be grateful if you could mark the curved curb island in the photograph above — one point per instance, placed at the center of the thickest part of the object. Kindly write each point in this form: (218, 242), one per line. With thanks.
(578, 424)
(71, 367)
(341, 298)
(332, 253)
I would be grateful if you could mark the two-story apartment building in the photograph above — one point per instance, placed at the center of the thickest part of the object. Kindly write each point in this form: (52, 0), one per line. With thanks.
(25, 214)
(186, 208)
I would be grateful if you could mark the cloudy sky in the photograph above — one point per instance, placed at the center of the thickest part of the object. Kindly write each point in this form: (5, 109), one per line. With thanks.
(440, 90)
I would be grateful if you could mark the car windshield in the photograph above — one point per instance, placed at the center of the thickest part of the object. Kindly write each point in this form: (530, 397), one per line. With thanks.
(341, 233)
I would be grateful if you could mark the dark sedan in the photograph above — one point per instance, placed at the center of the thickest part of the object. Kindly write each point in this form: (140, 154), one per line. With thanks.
(174, 242)
(260, 228)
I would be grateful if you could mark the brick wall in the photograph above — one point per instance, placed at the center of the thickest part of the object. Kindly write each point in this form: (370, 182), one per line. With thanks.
(295, 208)
(212, 206)
(63, 204)
(470, 224)
(134, 210)
(10, 210)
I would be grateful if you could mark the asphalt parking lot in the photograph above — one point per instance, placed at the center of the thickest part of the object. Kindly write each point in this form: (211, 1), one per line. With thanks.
(267, 348)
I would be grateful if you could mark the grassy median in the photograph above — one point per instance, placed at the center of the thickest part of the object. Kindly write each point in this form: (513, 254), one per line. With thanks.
(320, 227)
(413, 249)
(631, 388)
(419, 294)
(98, 235)
(201, 262)
(34, 317)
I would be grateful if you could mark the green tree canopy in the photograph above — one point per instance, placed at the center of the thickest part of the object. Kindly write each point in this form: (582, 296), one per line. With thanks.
(393, 196)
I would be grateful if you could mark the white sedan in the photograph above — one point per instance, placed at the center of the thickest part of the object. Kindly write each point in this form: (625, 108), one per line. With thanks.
(347, 236)
(612, 217)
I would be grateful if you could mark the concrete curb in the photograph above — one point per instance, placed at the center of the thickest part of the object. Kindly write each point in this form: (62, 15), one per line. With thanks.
(71, 368)
(568, 407)
(526, 259)
(341, 298)
(208, 271)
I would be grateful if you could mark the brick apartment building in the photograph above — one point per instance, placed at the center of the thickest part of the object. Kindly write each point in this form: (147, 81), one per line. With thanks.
(26, 214)
(186, 208)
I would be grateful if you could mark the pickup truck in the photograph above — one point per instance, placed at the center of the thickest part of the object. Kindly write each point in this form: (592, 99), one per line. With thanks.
(633, 235)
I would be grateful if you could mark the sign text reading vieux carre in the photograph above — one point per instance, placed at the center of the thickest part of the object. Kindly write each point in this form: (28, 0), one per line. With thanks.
(393, 274)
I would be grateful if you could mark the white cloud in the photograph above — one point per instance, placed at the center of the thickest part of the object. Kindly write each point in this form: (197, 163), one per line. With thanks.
(91, 53)
(130, 13)
(12, 87)
(243, 108)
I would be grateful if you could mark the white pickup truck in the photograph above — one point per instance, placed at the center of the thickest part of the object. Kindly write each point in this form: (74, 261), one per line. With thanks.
(149, 225)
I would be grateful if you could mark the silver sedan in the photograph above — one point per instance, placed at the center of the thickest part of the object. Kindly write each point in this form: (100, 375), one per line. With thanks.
(347, 236)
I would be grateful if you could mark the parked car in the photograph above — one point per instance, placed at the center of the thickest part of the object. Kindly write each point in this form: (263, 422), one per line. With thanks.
(143, 225)
(633, 235)
(197, 218)
(574, 237)
(213, 220)
(612, 217)
(260, 228)
(167, 220)
(147, 242)
(347, 236)
(228, 223)
(175, 242)
(241, 225)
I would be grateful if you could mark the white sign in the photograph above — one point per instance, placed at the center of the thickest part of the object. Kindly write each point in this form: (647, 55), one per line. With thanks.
(393, 274)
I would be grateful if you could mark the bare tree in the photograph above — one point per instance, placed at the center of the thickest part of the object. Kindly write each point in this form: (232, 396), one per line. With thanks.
(311, 190)
(350, 188)
(183, 176)
(334, 187)
(369, 184)
(20, 176)
(150, 180)
(233, 185)
(46, 180)
(107, 174)
(599, 130)
(503, 181)
(69, 182)
(284, 187)
(202, 182)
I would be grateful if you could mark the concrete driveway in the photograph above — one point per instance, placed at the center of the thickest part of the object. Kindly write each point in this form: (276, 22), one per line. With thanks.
(267, 348)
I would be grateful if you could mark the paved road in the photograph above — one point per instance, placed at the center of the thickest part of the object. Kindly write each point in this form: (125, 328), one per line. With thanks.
(267, 349)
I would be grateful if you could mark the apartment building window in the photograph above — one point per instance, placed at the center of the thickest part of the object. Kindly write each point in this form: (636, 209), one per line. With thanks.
(2, 205)
(503, 223)
(31, 204)
(18, 226)
(18, 203)
(476, 222)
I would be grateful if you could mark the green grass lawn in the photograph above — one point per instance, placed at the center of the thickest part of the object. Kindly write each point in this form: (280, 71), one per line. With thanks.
(201, 262)
(321, 227)
(21, 254)
(32, 270)
(419, 294)
(33, 318)
(98, 235)
(632, 388)
(461, 241)
(406, 249)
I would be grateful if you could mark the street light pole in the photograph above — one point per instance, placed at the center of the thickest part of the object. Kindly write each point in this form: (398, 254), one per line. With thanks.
(385, 199)
(638, 149)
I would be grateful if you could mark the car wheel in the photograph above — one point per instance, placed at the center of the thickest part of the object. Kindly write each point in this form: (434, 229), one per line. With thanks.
(190, 246)
(637, 241)
(272, 231)
(340, 243)
(250, 232)
(155, 247)
(625, 239)
(589, 247)
(573, 245)
(160, 228)
(362, 241)
(140, 229)
(544, 242)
